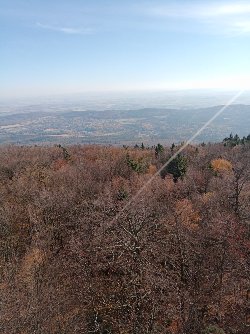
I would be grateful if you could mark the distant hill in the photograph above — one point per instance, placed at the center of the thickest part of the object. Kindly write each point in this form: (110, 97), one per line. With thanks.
(149, 125)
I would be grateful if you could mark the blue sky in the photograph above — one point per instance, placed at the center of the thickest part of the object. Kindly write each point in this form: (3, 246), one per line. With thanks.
(67, 46)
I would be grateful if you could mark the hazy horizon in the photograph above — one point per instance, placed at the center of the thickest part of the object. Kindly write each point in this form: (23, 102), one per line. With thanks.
(127, 100)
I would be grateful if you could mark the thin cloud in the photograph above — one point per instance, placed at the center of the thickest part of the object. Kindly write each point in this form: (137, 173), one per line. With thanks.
(65, 30)
(231, 9)
(228, 18)
(241, 27)
(200, 11)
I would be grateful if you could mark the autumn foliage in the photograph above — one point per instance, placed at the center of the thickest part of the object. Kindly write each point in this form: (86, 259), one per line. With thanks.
(220, 165)
(90, 243)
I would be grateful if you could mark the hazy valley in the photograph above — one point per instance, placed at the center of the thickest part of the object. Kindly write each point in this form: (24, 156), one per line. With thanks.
(64, 124)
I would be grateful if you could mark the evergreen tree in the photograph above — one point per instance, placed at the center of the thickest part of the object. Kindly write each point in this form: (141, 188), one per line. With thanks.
(158, 150)
(177, 167)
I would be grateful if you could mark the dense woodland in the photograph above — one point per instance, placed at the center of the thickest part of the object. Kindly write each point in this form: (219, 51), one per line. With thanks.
(90, 243)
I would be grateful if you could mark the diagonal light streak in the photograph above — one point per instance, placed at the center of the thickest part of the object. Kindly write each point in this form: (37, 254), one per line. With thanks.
(145, 186)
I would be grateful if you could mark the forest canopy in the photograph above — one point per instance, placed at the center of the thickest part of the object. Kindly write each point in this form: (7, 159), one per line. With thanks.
(84, 250)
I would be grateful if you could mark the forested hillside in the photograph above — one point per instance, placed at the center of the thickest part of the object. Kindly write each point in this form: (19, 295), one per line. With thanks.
(83, 252)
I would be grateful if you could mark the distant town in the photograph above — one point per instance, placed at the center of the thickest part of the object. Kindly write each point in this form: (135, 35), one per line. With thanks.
(75, 124)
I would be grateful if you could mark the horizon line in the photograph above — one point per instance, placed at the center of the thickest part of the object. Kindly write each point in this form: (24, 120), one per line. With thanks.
(120, 91)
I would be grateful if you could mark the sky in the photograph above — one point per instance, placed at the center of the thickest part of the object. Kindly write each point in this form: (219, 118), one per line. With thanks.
(71, 46)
